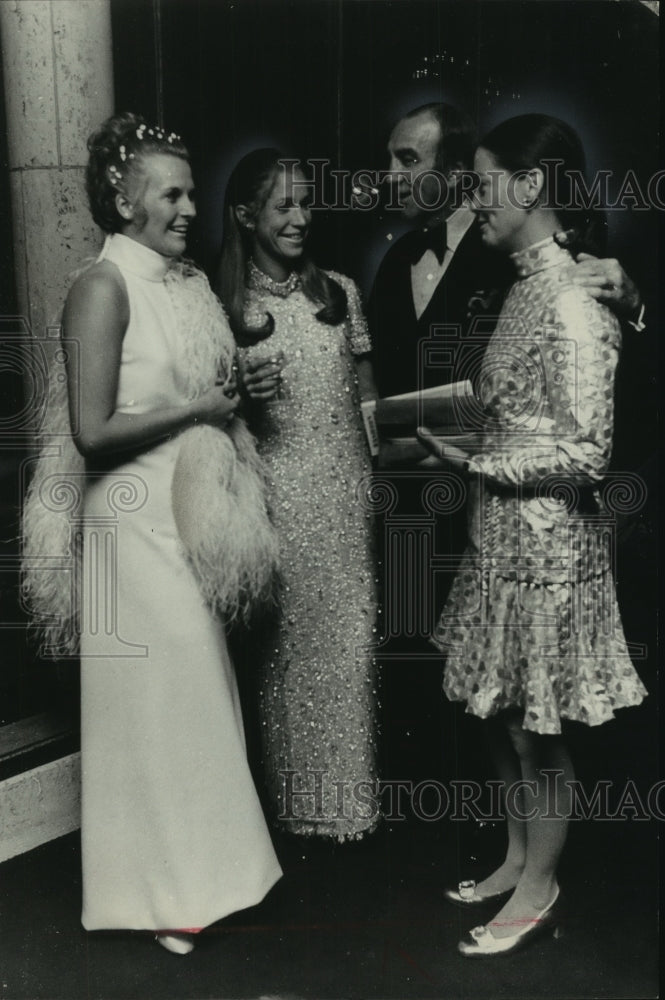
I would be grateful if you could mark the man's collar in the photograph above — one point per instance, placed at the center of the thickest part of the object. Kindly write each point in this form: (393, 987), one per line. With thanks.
(440, 236)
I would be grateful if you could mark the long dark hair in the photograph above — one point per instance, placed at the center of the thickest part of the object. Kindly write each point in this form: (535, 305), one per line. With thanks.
(250, 184)
(528, 141)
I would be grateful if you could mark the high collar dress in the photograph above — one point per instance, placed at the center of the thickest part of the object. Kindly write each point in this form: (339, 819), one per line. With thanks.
(173, 833)
(532, 620)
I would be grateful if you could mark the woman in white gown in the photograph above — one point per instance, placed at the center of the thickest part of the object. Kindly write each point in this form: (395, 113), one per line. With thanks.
(172, 831)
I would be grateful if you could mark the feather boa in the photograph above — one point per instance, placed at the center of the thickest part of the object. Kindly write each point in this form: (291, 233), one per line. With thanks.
(51, 547)
(218, 490)
(218, 499)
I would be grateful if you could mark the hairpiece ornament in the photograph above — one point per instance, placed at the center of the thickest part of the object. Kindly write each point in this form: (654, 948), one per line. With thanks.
(158, 133)
(115, 174)
(123, 153)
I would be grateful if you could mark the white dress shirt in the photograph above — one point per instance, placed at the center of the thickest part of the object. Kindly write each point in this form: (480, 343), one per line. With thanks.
(427, 272)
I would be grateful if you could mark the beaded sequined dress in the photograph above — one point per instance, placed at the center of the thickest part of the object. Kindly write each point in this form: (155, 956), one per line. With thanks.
(317, 685)
(532, 618)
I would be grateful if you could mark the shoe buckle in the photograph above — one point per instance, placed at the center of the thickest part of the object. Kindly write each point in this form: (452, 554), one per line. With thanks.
(467, 889)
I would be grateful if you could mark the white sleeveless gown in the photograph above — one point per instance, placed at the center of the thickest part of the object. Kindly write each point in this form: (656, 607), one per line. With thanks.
(172, 831)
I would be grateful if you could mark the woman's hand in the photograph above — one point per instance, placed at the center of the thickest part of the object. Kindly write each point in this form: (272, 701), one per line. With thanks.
(262, 377)
(217, 406)
(446, 453)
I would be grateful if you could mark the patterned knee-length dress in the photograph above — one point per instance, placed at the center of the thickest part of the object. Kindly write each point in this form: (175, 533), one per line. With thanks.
(532, 620)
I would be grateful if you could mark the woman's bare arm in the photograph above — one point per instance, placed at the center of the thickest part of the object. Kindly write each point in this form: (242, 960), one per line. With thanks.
(96, 317)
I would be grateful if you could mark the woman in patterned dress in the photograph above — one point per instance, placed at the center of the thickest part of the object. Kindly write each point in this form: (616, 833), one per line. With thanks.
(307, 346)
(531, 629)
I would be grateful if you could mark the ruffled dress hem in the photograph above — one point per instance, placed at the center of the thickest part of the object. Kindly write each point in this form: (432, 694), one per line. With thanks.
(543, 648)
(487, 708)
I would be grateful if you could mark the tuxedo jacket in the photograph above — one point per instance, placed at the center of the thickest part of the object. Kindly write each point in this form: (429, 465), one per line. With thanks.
(460, 301)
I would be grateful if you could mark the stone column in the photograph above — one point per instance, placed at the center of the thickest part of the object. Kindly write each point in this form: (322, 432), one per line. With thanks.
(58, 71)
(58, 74)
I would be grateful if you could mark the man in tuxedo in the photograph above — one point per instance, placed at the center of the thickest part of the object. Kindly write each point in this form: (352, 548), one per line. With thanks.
(427, 279)
(440, 274)
(430, 275)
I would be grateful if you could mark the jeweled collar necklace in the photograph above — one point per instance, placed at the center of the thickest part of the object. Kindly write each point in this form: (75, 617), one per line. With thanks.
(262, 282)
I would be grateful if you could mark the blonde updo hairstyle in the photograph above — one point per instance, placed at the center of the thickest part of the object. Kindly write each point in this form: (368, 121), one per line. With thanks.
(116, 153)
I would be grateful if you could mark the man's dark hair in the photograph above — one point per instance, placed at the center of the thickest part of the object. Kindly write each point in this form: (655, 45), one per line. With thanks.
(458, 135)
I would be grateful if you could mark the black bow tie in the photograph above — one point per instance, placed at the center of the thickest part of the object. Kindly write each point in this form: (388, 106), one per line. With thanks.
(434, 238)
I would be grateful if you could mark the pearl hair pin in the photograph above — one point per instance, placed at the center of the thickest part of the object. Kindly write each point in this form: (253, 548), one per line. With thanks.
(157, 133)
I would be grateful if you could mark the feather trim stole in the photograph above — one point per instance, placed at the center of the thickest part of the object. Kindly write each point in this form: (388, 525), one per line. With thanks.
(218, 491)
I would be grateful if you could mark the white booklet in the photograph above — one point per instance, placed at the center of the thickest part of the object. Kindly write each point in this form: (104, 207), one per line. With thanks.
(451, 411)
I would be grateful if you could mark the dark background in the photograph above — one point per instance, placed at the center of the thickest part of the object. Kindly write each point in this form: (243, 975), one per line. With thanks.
(324, 79)
(328, 79)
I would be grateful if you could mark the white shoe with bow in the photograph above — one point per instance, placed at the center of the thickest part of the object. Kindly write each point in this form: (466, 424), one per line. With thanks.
(484, 943)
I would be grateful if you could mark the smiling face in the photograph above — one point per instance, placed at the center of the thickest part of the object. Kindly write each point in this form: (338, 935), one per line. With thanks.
(280, 227)
(413, 148)
(159, 205)
(499, 204)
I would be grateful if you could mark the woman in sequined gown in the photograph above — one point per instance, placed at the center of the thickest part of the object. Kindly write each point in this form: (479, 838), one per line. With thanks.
(317, 680)
(531, 628)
